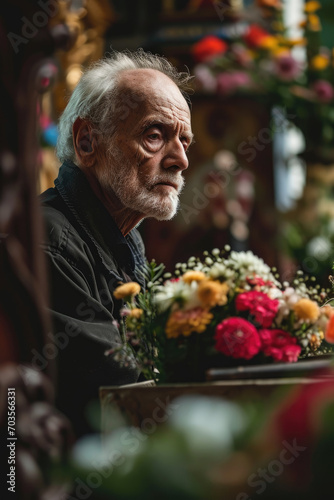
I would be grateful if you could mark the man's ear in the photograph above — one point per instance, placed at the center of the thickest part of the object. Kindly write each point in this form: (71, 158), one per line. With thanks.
(84, 142)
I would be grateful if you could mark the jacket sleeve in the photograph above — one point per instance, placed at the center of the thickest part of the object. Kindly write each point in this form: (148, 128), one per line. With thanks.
(83, 329)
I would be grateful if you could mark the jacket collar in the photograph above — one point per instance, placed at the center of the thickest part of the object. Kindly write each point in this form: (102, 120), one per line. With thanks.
(93, 217)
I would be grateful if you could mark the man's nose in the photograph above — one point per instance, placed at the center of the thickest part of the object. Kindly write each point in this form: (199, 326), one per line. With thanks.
(176, 155)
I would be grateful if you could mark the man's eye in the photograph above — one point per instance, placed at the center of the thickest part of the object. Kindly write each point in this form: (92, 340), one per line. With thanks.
(154, 137)
(185, 142)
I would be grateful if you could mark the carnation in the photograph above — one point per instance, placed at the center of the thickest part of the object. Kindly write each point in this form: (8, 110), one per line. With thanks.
(279, 345)
(238, 338)
(259, 305)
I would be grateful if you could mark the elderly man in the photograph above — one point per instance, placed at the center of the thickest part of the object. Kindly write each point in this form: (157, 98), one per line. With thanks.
(123, 141)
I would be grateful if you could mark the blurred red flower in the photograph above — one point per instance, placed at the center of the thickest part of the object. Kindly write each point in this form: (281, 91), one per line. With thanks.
(208, 47)
(255, 36)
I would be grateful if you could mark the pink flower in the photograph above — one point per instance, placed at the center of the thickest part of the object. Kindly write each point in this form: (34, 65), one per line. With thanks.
(258, 281)
(205, 78)
(242, 55)
(259, 305)
(279, 345)
(238, 338)
(324, 90)
(227, 83)
(287, 68)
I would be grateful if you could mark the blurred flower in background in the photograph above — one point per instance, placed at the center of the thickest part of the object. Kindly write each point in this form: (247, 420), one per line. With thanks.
(263, 62)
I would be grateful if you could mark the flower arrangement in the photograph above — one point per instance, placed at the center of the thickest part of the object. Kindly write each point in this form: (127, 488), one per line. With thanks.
(227, 307)
(262, 60)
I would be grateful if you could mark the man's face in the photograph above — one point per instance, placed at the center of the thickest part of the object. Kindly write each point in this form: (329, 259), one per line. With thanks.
(147, 153)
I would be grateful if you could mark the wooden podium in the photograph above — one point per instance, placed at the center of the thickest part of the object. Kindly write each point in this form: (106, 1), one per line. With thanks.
(146, 405)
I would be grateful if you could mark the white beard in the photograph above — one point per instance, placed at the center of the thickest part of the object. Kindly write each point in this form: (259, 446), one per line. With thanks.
(141, 197)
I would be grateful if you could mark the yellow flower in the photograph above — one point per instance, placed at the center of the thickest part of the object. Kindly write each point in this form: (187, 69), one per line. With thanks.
(135, 313)
(313, 22)
(190, 276)
(268, 43)
(307, 309)
(212, 293)
(127, 290)
(312, 6)
(319, 62)
(292, 42)
(185, 322)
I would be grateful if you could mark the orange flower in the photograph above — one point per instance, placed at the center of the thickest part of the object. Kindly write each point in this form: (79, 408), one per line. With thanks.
(315, 341)
(212, 293)
(135, 313)
(329, 334)
(312, 6)
(313, 22)
(127, 290)
(190, 276)
(319, 62)
(185, 322)
(268, 43)
(306, 309)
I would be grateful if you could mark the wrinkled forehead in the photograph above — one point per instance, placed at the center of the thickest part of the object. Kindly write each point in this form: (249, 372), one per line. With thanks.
(152, 91)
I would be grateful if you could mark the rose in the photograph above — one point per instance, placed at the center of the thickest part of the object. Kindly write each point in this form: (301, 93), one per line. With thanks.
(238, 338)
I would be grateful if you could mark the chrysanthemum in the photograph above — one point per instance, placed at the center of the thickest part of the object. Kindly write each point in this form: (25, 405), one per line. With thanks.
(182, 322)
(127, 290)
(307, 309)
(212, 293)
(191, 276)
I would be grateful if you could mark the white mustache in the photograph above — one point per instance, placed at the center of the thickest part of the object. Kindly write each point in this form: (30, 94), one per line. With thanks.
(178, 182)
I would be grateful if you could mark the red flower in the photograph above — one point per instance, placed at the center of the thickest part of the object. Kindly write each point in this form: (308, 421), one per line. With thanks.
(255, 281)
(208, 47)
(259, 305)
(279, 345)
(238, 338)
(255, 36)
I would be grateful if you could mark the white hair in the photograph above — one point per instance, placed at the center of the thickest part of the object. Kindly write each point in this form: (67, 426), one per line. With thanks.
(96, 97)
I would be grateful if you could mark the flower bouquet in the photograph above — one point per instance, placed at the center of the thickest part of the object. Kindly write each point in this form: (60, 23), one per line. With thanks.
(226, 308)
(261, 60)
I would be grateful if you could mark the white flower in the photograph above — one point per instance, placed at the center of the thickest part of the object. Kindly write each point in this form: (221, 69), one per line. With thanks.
(319, 247)
(246, 264)
(173, 291)
(218, 270)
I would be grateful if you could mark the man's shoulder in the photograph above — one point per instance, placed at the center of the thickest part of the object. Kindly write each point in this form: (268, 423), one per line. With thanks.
(57, 226)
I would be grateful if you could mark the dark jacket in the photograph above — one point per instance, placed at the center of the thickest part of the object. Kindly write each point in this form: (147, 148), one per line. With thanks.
(87, 258)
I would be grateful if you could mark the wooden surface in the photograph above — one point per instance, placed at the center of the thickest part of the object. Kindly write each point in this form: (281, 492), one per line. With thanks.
(146, 405)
